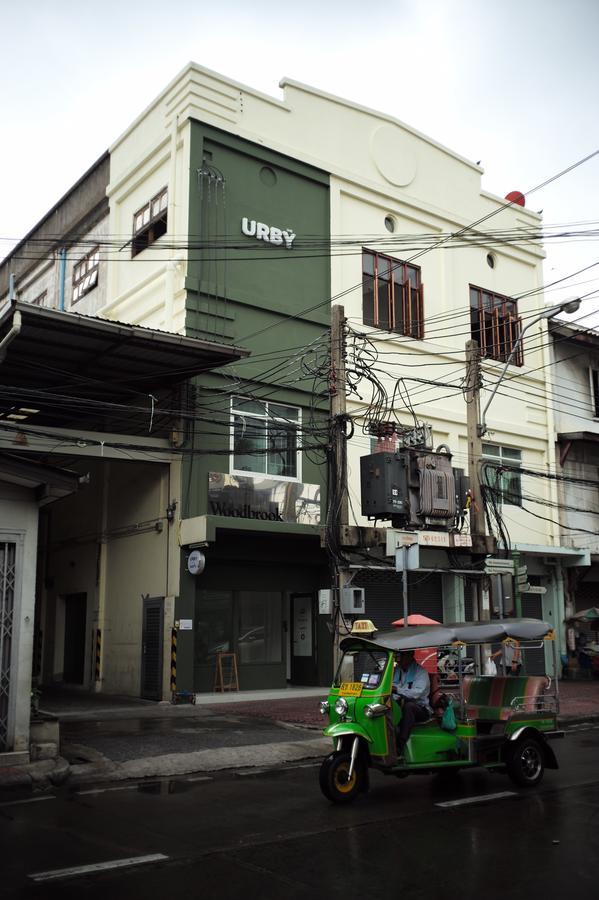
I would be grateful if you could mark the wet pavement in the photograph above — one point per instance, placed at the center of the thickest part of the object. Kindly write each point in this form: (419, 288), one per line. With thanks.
(273, 834)
(121, 740)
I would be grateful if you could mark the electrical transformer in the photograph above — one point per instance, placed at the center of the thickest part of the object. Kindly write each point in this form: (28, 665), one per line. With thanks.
(413, 488)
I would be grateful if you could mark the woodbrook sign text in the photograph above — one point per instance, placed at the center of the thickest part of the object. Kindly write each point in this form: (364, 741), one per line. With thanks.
(267, 233)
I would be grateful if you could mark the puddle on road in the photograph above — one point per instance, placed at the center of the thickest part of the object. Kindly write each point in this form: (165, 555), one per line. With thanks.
(171, 786)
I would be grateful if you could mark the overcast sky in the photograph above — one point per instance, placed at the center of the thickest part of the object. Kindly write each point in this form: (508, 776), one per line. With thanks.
(513, 83)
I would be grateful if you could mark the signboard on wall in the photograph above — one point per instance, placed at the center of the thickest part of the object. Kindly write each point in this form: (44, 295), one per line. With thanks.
(263, 499)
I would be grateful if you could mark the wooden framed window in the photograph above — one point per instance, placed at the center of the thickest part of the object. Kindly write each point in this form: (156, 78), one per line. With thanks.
(495, 324)
(85, 274)
(392, 295)
(149, 222)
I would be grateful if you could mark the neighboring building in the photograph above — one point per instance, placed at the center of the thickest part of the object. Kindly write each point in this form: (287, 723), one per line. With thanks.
(88, 583)
(575, 386)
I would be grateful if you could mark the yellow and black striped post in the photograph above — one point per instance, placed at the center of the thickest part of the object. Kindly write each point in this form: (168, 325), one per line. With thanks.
(98, 652)
(173, 661)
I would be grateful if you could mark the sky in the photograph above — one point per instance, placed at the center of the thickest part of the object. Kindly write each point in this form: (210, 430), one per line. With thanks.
(512, 83)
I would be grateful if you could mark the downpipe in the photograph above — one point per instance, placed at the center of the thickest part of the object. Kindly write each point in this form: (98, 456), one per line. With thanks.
(12, 334)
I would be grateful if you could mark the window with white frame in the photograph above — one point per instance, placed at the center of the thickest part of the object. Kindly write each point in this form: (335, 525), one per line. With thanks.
(265, 438)
(149, 222)
(85, 274)
(501, 473)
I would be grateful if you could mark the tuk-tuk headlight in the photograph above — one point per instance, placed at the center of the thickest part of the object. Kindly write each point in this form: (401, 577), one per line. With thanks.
(341, 706)
(324, 707)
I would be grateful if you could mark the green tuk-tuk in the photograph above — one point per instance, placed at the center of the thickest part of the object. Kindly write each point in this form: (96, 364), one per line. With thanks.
(501, 722)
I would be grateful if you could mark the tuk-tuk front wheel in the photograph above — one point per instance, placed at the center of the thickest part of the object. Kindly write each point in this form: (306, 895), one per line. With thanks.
(526, 763)
(335, 782)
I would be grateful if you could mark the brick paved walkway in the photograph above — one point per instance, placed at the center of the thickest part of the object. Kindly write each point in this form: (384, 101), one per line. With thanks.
(578, 699)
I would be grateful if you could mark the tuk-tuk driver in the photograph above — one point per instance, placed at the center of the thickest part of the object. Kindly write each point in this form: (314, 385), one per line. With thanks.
(411, 685)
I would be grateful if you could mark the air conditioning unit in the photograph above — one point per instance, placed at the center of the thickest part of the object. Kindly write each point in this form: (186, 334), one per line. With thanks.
(353, 601)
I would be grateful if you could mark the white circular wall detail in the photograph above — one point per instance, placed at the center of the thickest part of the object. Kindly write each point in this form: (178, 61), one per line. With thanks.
(393, 155)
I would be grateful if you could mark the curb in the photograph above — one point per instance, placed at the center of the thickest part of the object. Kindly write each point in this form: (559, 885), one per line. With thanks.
(567, 721)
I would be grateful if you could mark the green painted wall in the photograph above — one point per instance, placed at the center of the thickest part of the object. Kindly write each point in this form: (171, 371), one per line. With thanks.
(255, 294)
(245, 290)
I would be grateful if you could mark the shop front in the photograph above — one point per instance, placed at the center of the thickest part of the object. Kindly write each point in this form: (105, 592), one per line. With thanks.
(257, 599)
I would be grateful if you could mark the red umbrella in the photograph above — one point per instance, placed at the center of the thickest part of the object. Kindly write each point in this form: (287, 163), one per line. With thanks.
(427, 656)
(416, 619)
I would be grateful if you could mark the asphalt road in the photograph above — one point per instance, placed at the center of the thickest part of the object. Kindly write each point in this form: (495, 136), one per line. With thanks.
(270, 834)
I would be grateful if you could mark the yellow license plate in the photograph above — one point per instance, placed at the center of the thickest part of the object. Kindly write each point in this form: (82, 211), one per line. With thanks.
(350, 689)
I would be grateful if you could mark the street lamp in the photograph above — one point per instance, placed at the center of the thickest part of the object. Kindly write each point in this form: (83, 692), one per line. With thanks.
(569, 306)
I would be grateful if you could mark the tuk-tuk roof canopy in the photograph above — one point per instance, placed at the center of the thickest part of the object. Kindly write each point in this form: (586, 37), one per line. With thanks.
(416, 637)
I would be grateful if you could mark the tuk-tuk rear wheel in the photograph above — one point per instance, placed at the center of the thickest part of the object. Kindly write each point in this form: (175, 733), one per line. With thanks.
(526, 763)
(334, 781)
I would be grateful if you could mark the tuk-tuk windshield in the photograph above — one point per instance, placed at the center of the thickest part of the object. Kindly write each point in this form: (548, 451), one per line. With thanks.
(363, 666)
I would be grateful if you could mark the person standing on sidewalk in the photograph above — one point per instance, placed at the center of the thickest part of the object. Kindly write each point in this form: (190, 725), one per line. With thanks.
(511, 657)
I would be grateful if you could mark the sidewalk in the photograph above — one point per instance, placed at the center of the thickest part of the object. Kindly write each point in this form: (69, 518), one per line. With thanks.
(106, 738)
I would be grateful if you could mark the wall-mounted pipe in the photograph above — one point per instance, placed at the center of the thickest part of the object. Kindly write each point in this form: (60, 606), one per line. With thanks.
(62, 272)
(8, 338)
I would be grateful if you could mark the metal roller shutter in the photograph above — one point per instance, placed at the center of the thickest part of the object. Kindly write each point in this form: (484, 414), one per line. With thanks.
(532, 608)
(384, 595)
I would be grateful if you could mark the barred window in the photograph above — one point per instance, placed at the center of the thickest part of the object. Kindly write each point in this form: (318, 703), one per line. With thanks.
(392, 295)
(85, 274)
(495, 324)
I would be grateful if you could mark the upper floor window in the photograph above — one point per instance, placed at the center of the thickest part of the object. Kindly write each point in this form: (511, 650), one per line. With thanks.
(85, 274)
(595, 391)
(392, 295)
(495, 324)
(149, 222)
(265, 437)
(502, 475)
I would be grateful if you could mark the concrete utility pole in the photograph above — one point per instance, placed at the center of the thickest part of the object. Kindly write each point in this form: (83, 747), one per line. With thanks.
(475, 452)
(337, 493)
(475, 445)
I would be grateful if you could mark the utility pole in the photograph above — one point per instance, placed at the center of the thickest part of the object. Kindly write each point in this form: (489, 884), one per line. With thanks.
(475, 452)
(338, 507)
(475, 445)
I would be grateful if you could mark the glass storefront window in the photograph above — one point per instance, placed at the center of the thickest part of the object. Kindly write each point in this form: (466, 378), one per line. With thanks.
(260, 637)
(213, 625)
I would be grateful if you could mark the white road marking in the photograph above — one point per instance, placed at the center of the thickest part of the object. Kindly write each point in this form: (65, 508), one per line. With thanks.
(480, 799)
(56, 874)
(29, 800)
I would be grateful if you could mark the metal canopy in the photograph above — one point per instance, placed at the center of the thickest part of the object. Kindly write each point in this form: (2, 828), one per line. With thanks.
(416, 637)
(52, 359)
(48, 482)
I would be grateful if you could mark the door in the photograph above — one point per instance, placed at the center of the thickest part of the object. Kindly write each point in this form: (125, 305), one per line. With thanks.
(151, 654)
(75, 616)
(8, 584)
(303, 644)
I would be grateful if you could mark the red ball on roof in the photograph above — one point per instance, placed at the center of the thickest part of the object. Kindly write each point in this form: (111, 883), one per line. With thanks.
(516, 197)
